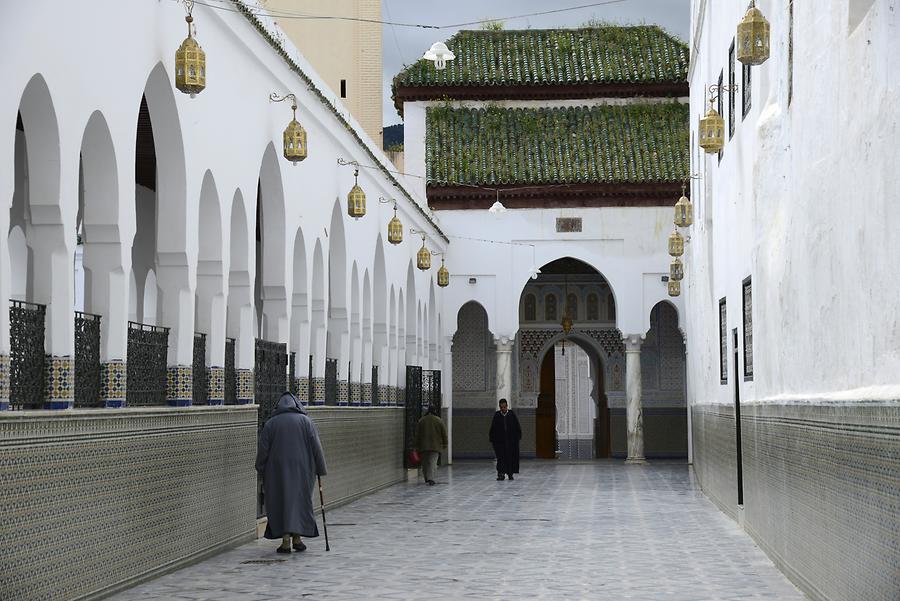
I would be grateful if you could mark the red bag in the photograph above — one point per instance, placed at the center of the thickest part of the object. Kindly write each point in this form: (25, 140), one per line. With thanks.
(413, 458)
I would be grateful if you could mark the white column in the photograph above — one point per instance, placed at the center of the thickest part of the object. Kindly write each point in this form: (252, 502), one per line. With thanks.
(633, 413)
(505, 346)
(447, 385)
(687, 406)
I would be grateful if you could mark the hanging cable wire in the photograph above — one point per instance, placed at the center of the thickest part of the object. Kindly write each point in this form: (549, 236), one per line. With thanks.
(284, 14)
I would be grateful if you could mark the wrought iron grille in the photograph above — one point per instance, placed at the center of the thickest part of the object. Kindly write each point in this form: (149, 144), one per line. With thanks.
(26, 360)
(431, 390)
(201, 388)
(376, 398)
(310, 380)
(413, 407)
(331, 381)
(271, 370)
(230, 374)
(87, 360)
(146, 370)
(292, 375)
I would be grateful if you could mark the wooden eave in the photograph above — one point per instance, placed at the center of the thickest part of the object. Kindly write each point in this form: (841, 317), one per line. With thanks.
(556, 196)
(675, 89)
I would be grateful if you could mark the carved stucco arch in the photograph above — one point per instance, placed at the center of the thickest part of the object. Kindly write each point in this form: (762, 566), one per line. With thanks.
(534, 343)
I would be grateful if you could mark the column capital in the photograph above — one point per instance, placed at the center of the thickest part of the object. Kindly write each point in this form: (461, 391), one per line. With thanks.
(633, 342)
(504, 343)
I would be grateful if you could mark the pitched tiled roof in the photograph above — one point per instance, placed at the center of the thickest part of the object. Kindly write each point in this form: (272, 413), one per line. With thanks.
(609, 144)
(546, 57)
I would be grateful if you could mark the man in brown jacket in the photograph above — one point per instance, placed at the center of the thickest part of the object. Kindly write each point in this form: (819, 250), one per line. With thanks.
(431, 438)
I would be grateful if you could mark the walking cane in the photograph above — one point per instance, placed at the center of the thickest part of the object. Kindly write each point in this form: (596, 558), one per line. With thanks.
(324, 524)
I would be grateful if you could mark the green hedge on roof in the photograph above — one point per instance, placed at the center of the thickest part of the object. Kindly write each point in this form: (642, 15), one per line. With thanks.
(634, 143)
(644, 54)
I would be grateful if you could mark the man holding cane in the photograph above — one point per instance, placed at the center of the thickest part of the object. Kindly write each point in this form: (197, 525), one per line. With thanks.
(289, 458)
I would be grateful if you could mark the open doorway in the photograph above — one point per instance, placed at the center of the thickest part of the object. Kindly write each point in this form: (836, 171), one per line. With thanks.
(568, 344)
(572, 415)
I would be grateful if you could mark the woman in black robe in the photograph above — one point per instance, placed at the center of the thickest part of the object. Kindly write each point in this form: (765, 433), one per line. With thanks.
(505, 436)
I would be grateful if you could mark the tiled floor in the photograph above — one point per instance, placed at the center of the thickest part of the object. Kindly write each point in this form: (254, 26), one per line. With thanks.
(592, 530)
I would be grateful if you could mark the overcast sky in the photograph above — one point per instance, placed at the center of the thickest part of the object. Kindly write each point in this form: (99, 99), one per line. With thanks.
(404, 45)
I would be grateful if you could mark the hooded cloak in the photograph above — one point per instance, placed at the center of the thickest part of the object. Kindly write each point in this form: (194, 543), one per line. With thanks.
(289, 457)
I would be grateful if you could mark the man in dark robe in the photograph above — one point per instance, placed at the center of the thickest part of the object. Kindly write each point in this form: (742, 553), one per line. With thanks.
(505, 436)
(289, 457)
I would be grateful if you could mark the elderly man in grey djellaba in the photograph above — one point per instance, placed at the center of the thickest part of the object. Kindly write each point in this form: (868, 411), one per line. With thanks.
(289, 457)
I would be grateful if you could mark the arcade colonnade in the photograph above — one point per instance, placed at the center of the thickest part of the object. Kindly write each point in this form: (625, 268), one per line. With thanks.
(176, 223)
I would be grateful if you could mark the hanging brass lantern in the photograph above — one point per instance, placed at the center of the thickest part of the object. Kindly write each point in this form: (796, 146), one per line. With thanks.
(676, 244)
(190, 61)
(356, 199)
(395, 229)
(423, 257)
(294, 134)
(753, 37)
(684, 211)
(712, 130)
(443, 275)
(566, 324)
(676, 270)
(674, 288)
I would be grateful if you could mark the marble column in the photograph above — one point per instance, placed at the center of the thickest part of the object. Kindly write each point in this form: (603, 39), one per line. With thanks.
(633, 414)
(505, 346)
(447, 385)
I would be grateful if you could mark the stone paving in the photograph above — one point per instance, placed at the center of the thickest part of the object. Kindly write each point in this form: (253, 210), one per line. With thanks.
(589, 530)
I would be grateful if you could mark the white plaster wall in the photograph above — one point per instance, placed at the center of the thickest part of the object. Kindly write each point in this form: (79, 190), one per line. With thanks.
(626, 245)
(224, 130)
(804, 201)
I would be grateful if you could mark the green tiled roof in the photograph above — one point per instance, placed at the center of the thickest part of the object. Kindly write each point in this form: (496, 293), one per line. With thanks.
(528, 57)
(632, 143)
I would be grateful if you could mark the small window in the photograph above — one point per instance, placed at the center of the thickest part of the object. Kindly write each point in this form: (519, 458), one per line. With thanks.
(572, 306)
(550, 308)
(731, 74)
(745, 90)
(343, 88)
(530, 307)
(723, 344)
(719, 102)
(748, 330)
(790, 49)
(593, 307)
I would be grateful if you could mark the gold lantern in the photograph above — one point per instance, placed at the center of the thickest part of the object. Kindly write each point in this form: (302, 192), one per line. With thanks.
(684, 211)
(190, 60)
(674, 288)
(566, 324)
(443, 275)
(423, 257)
(753, 37)
(356, 199)
(395, 229)
(712, 130)
(294, 134)
(676, 244)
(676, 270)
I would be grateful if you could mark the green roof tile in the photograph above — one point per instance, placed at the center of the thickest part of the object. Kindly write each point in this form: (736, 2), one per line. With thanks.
(632, 143)
(544, 57)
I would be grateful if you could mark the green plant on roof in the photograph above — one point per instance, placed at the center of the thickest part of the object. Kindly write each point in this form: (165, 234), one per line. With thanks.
(492, 25)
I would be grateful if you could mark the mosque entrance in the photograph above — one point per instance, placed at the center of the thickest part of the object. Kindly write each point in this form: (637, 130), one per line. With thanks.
(564, 373)
(572, 416)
